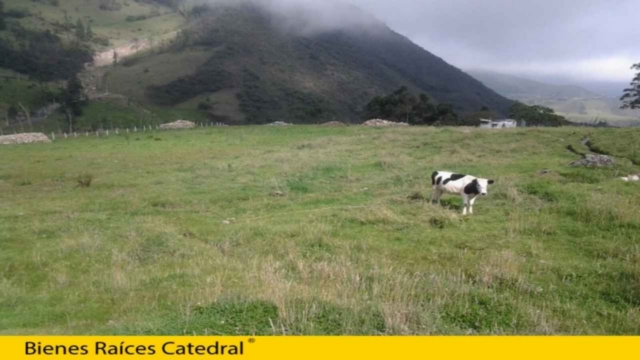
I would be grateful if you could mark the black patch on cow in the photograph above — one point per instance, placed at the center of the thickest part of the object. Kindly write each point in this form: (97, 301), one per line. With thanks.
(454, 177)
(433, 178)
(439, 180)
(472, 188)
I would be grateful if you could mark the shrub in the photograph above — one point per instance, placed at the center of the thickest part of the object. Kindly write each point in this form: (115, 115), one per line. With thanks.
(209, 78)
(42, 55)
(205, 106)
(17, 13)
(84, 181)
(109, 5)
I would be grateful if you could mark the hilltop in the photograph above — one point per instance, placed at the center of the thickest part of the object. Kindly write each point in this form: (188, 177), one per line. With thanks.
(574, 102)
(239, 64)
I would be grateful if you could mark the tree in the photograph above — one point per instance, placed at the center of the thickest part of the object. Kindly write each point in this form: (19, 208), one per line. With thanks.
(398, 106)
(401, 105)
(424, 111)
(43, 55)
(136, 44)
(81, 33)
(2, 23)
(12, 112)
(631, 97)
(27, 114)
(445, 114)
(536, 115)
(67, 23)
(89, 32)
(473, 119)
(405, 103)
(73, 100)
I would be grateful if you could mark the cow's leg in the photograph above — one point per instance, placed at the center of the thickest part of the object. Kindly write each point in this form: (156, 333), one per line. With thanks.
(465, 204)
(471, 202)
(436, 194)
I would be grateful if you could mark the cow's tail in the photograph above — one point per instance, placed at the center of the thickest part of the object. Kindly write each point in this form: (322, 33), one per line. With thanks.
(433, 178)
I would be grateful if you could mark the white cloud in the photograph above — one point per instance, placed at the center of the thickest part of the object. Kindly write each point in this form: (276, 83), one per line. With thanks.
(616, 68)
(566, 39)
(582, 39)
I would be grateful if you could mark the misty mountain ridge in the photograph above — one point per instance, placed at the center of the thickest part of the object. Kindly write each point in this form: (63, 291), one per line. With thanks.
(265, 65)
(574, 102)
(518, 88)
(239, 62)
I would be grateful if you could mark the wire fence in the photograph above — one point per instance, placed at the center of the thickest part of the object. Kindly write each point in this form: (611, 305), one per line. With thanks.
(60, 135)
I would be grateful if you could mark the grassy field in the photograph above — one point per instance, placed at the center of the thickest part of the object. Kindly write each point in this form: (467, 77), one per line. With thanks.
(311, 230)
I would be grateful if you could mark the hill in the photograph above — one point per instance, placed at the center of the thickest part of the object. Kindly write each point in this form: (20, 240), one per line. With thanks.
(249, 64)
(247, 68)
(318, 230)
(40, 49)
(524, 89)
(574, 102)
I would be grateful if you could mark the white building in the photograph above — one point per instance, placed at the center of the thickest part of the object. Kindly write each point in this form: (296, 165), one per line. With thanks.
(499, 124)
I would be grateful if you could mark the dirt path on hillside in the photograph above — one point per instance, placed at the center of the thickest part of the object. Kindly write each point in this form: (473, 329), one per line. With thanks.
(105, 58)
(93, 76)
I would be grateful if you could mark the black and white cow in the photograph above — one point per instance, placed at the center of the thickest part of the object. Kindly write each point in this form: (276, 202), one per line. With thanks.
(467, 186)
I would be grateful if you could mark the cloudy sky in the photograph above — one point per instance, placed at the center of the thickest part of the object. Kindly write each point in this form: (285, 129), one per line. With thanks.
(592, 43)
(579, 41)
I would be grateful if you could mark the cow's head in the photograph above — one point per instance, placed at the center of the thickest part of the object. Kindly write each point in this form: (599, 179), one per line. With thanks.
(483, 186)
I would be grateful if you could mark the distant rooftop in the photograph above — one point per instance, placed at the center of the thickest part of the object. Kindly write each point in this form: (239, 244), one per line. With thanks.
(498, 121)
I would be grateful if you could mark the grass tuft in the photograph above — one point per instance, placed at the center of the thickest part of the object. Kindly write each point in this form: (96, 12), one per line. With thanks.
(85, 180)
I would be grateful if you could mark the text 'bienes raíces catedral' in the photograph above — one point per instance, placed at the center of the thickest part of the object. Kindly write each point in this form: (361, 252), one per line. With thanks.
(124, 348)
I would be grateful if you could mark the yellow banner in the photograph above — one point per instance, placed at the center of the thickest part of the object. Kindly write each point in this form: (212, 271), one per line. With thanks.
(333, 348)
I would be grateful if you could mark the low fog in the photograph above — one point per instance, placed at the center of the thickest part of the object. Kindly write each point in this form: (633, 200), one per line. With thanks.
(309, 17)
(561, 41)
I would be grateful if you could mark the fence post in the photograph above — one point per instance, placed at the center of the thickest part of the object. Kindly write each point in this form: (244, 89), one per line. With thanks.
(53, 136)
(107, 132)
(117, 131)
(135, 129)
(75, 134)
(86, 134)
